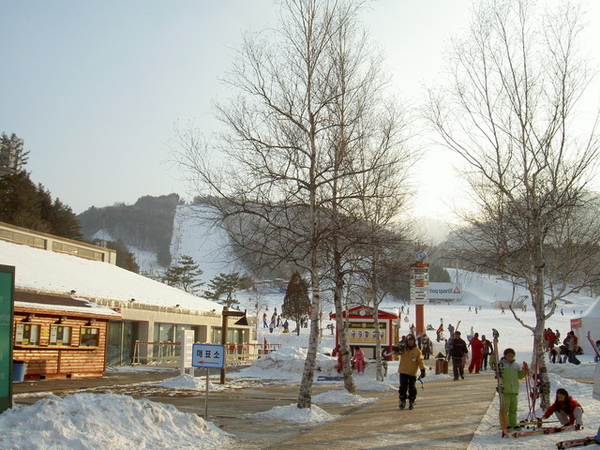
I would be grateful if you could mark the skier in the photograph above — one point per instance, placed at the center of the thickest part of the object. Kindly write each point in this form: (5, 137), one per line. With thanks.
(487, 351)
(426, 346)
(359, 360)
(511, 373)
(337, 351)
(411, 360)
(457, 350)
(476, 353)
(571, 342)
(568, 411)
(440, 333)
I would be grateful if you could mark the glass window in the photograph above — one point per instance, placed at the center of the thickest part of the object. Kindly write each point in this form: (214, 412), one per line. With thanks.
(27, 334)
(60, 335)
(90, 337)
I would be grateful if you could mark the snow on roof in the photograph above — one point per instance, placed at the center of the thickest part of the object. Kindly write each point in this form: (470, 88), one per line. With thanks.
(47, 271)
(592, 311)
(61, 303)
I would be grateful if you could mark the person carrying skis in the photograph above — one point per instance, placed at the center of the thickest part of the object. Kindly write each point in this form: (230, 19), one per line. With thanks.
(476, 353)
(511, 373)
(457, 350)
(567, 410)
(411, 360)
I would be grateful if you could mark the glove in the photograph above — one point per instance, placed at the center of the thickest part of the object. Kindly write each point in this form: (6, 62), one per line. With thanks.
(422, 373)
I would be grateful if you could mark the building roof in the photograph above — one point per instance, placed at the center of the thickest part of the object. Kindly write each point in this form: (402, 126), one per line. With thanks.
(365, 311)
(38, 270)
(61, 304)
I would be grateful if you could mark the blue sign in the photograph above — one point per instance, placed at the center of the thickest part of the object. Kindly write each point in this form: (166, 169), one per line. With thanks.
(209, 356)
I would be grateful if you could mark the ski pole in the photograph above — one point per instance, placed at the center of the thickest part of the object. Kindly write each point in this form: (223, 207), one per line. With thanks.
(421, 380)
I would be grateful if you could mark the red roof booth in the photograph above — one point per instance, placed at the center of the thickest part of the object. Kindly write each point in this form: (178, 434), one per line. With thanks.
(361, 329)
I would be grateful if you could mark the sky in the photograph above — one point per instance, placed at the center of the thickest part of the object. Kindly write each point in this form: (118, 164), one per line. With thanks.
(84, 420)
(97, 88)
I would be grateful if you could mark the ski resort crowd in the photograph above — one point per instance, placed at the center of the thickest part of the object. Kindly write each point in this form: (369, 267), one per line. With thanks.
(484, 354)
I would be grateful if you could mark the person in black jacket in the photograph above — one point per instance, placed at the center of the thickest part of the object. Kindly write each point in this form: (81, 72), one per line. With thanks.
(458, 350)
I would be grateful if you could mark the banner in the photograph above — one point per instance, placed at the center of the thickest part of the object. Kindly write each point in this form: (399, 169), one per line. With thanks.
(364, 333)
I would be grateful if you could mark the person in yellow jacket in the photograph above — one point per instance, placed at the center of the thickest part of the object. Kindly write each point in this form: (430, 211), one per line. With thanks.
(411, 360)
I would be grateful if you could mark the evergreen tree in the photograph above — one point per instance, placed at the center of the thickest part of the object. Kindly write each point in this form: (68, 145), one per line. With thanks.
(296, 302)
(12, 154)
(184, 274)
(438, 274)
(226, 284)
(26, 205)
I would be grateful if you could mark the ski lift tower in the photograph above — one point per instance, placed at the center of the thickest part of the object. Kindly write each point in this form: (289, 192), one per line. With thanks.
(419, 288)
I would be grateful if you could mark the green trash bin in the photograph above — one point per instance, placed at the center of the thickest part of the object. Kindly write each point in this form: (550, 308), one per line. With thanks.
(18, 374)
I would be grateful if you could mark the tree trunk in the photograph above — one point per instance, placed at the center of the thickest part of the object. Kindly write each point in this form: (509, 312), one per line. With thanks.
(304, 395)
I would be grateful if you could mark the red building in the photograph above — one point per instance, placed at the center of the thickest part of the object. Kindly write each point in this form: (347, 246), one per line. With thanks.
(361, 329)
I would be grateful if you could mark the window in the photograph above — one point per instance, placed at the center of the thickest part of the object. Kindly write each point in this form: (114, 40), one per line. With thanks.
(27, 334)
(60, 335)
(90, 337)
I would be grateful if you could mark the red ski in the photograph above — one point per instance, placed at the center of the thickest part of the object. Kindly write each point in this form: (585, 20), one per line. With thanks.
(543, 430)
(594, 346)
(577, 442)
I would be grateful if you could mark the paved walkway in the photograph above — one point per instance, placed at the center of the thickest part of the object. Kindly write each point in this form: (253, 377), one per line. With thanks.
(446, 415)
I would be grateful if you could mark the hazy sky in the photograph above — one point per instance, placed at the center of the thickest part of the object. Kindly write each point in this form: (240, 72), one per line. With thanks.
(96, 87)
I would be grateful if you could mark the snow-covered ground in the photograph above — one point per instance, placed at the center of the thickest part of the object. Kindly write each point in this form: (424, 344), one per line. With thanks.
(83, 420)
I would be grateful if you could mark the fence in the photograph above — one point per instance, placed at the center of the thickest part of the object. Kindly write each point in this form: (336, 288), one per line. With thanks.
(167, 353)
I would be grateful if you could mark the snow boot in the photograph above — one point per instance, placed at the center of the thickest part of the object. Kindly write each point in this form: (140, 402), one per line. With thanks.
(402, 404)
(411, 405)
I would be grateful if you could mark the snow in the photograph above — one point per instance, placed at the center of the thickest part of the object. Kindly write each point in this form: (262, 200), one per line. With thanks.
(84, 420)
(93, 279)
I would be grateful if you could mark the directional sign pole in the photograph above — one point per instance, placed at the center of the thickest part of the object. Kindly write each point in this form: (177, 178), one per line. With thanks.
(206, 397)
(208, 356)
(226, 314)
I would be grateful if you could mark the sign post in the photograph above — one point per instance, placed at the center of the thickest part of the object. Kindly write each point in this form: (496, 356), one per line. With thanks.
(7, 289)
(209, 356)
(419, 289)
(226, 314)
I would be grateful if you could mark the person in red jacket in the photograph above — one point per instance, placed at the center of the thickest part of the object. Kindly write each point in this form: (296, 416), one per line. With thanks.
(567, 410)
(359, 360)
(476, 353)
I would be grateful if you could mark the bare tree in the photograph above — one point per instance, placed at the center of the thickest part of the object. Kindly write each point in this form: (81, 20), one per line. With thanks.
(290, 157)
(509, 112)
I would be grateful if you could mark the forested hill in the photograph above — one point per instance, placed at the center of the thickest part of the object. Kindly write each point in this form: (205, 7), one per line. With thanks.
(147, 224)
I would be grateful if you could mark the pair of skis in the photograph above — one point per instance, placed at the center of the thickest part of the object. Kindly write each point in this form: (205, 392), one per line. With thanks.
(503, 423)
(543, 430)
(577, 442)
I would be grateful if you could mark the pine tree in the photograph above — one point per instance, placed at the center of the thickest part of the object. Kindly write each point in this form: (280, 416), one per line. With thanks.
(190, 271)
(12, 154)
(26, 205)
(226, 284)
(296, 302)
(184, 274)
